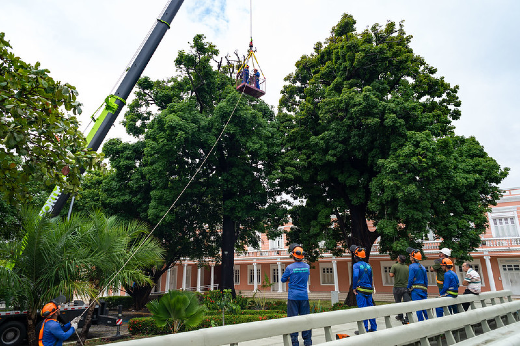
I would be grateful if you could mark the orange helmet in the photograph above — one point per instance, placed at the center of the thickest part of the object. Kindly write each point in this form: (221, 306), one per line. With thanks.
(358, 251)
(446, 262)
(49, 309)
(298, 253)
(416, 254)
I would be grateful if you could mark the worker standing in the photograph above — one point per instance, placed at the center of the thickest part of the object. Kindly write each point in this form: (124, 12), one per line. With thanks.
(362, 284)
(471, 281)
(418, 281)
(256, 74)
(399, 271)
(437, 268)
(450, 287)
(297, 273)
(245, 74)
(52, 333)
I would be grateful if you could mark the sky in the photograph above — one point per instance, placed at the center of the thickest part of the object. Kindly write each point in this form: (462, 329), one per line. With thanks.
(473, 44)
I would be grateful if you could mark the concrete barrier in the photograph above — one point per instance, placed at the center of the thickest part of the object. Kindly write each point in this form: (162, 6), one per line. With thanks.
(234, 334)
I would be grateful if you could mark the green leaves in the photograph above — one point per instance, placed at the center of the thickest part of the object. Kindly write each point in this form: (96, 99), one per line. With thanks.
(177, 308)
(369, 135)
(34, 128)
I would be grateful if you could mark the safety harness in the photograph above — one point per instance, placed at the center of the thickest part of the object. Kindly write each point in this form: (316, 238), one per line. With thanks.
(40, 336)
(418, 286)
(366, 290)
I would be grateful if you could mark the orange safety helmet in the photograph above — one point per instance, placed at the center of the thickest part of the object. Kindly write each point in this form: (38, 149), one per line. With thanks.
(298, 253)
(49, 309)
(358, 251)
(446, 262)
(416, 254)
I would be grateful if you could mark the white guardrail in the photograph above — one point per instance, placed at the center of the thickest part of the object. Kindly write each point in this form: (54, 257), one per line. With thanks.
(234, 334)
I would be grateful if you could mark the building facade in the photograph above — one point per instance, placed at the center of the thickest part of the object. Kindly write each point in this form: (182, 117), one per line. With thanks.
(497, 260)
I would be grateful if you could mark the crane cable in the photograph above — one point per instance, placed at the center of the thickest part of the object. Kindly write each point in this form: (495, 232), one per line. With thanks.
(166, 213)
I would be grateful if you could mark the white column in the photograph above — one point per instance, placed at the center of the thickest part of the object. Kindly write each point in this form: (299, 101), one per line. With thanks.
(335, 272)
(491, 278)
(279, 275)
(199, 269)
(255, 287)
(184, 276)
(212, 276)
(167, 288)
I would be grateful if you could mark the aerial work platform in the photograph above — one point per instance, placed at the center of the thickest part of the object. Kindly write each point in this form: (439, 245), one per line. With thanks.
(252, 90)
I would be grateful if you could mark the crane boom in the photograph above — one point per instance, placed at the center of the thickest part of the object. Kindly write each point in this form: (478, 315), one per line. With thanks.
(114, 103)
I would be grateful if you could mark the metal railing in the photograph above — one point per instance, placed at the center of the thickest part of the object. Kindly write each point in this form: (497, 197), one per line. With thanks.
(502, 243)
(234, 334)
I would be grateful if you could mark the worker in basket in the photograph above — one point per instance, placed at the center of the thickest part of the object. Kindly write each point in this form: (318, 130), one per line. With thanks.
(245, 74)
(256, 76)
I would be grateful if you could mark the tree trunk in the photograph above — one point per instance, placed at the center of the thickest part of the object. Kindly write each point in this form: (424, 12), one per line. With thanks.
(228, 254)
(360, 236)
(140, 295)
(86, 326)
(32, 338)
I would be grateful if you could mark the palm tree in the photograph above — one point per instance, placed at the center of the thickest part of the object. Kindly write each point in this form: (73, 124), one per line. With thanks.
(177, 308)
(122, 252)
(48, 262)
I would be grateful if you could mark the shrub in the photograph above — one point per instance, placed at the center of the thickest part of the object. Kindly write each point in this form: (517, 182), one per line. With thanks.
(114, 301)
(147, 326)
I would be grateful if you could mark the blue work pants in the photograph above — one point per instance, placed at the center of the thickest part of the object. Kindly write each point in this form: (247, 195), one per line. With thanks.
(439, 311)
(453, 308)
(418, 294)
(295, 308)
(364, 300)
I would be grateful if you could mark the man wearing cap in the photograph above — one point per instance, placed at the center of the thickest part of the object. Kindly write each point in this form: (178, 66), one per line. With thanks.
(362, 284)
(297, 273)
(471, 281)
(450, 286)
(399, 271)
(443, 253)
(52, 333)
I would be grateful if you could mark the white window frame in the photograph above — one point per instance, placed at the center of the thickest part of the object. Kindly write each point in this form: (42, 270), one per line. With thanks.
(323, 267)
(504, 214)
(385, 274)
(236, 271)
(250, 275)
(277, 243)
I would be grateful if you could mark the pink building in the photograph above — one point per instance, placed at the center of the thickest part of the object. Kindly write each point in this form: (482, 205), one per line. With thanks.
(497, 260)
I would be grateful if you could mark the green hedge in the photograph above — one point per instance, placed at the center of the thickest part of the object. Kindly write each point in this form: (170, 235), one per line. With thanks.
(114, 301)
(147, 326)
(247, 312)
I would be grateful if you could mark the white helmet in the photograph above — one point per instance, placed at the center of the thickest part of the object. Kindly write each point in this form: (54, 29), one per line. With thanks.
(446, 251)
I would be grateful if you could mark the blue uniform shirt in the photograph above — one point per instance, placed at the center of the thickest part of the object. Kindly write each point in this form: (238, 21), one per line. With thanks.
(417, 275)
(53, 331)
(362, 275)
(451, 282)
(297, 273)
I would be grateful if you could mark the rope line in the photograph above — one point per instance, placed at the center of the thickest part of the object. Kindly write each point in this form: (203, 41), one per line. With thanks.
(167, 212)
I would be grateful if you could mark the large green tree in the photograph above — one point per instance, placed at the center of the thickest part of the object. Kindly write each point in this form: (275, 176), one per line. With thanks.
(36, 135)
(369, 137)
(176, 123)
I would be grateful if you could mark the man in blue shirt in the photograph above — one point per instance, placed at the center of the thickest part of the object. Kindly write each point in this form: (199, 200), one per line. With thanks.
(362, 284)
(297, 274)
(52, 333)
(450, 286)
(417, 281)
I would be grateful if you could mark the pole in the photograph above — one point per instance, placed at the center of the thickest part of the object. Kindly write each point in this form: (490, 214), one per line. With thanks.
(114, 103)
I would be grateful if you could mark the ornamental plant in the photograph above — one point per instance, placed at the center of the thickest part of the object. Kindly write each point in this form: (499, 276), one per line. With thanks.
(175, 309)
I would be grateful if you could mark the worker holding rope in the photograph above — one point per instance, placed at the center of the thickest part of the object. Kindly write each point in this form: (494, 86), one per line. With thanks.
(52, 333)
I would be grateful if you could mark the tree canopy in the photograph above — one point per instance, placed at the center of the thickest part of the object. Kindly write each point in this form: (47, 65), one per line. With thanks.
(369, 135)
(37, 137)
(176, 123)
